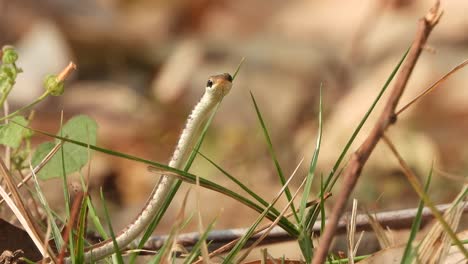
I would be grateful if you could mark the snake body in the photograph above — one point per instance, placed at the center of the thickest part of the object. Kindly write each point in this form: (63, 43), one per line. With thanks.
(217, 87)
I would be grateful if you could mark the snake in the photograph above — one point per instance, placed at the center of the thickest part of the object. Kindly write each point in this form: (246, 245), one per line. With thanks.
(216, 88)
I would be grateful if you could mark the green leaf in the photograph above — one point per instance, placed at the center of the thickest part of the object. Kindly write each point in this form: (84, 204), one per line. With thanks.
(80, 128)
(11, 133)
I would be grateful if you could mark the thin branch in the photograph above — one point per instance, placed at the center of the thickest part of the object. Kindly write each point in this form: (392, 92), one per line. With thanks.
(433, 86)
(76, 208)
(387, 117)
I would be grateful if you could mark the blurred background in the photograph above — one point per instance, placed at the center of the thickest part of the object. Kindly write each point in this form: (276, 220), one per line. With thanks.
(142, 66)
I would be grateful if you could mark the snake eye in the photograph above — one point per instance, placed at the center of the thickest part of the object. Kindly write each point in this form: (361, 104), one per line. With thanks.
(209, 83)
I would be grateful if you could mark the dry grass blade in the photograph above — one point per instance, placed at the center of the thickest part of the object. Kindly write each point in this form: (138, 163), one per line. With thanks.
(358, 243)
(37, 168)
(231, 244)
(204, 246)
(176, 227)
(451, 176)
(435, 246)
(384, 240)
(433, 86)
(267, 231)
(351, 231)
(417, 187)
(242, 242)
(20, 211)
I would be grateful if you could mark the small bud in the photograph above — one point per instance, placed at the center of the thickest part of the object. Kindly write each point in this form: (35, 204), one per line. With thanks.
(53, 85)
(9, 55)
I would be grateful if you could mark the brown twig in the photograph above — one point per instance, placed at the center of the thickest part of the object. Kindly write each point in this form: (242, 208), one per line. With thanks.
(387, 117)
(75, 210)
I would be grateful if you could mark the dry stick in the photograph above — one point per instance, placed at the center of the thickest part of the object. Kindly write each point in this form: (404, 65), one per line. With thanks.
(395, 220)
(413, 180)
(387, 117)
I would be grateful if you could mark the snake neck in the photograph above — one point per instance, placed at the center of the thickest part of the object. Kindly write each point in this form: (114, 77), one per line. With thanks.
(184, 146)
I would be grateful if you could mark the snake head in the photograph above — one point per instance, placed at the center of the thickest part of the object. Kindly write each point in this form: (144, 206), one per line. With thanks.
(219, 85)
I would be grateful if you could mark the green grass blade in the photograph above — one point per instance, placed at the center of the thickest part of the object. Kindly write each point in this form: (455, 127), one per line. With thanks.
(238, 69)
(95, 219)
(306, 246)
(243, 240)
(313, 165)
(312, 217)
(305, 240)
(190, 178)
(58, 240)
(240, 184)
(273, 154)
(158, 258)
(66, 194)
(117, 253)
(363, 121)
(80, 241)
(284, 224)
(163, 250)
(408, 253)
(195, 252)
(346, 260)
(323, 217)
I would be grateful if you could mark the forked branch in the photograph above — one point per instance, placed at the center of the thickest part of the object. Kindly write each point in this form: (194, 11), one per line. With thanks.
(387, 118)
